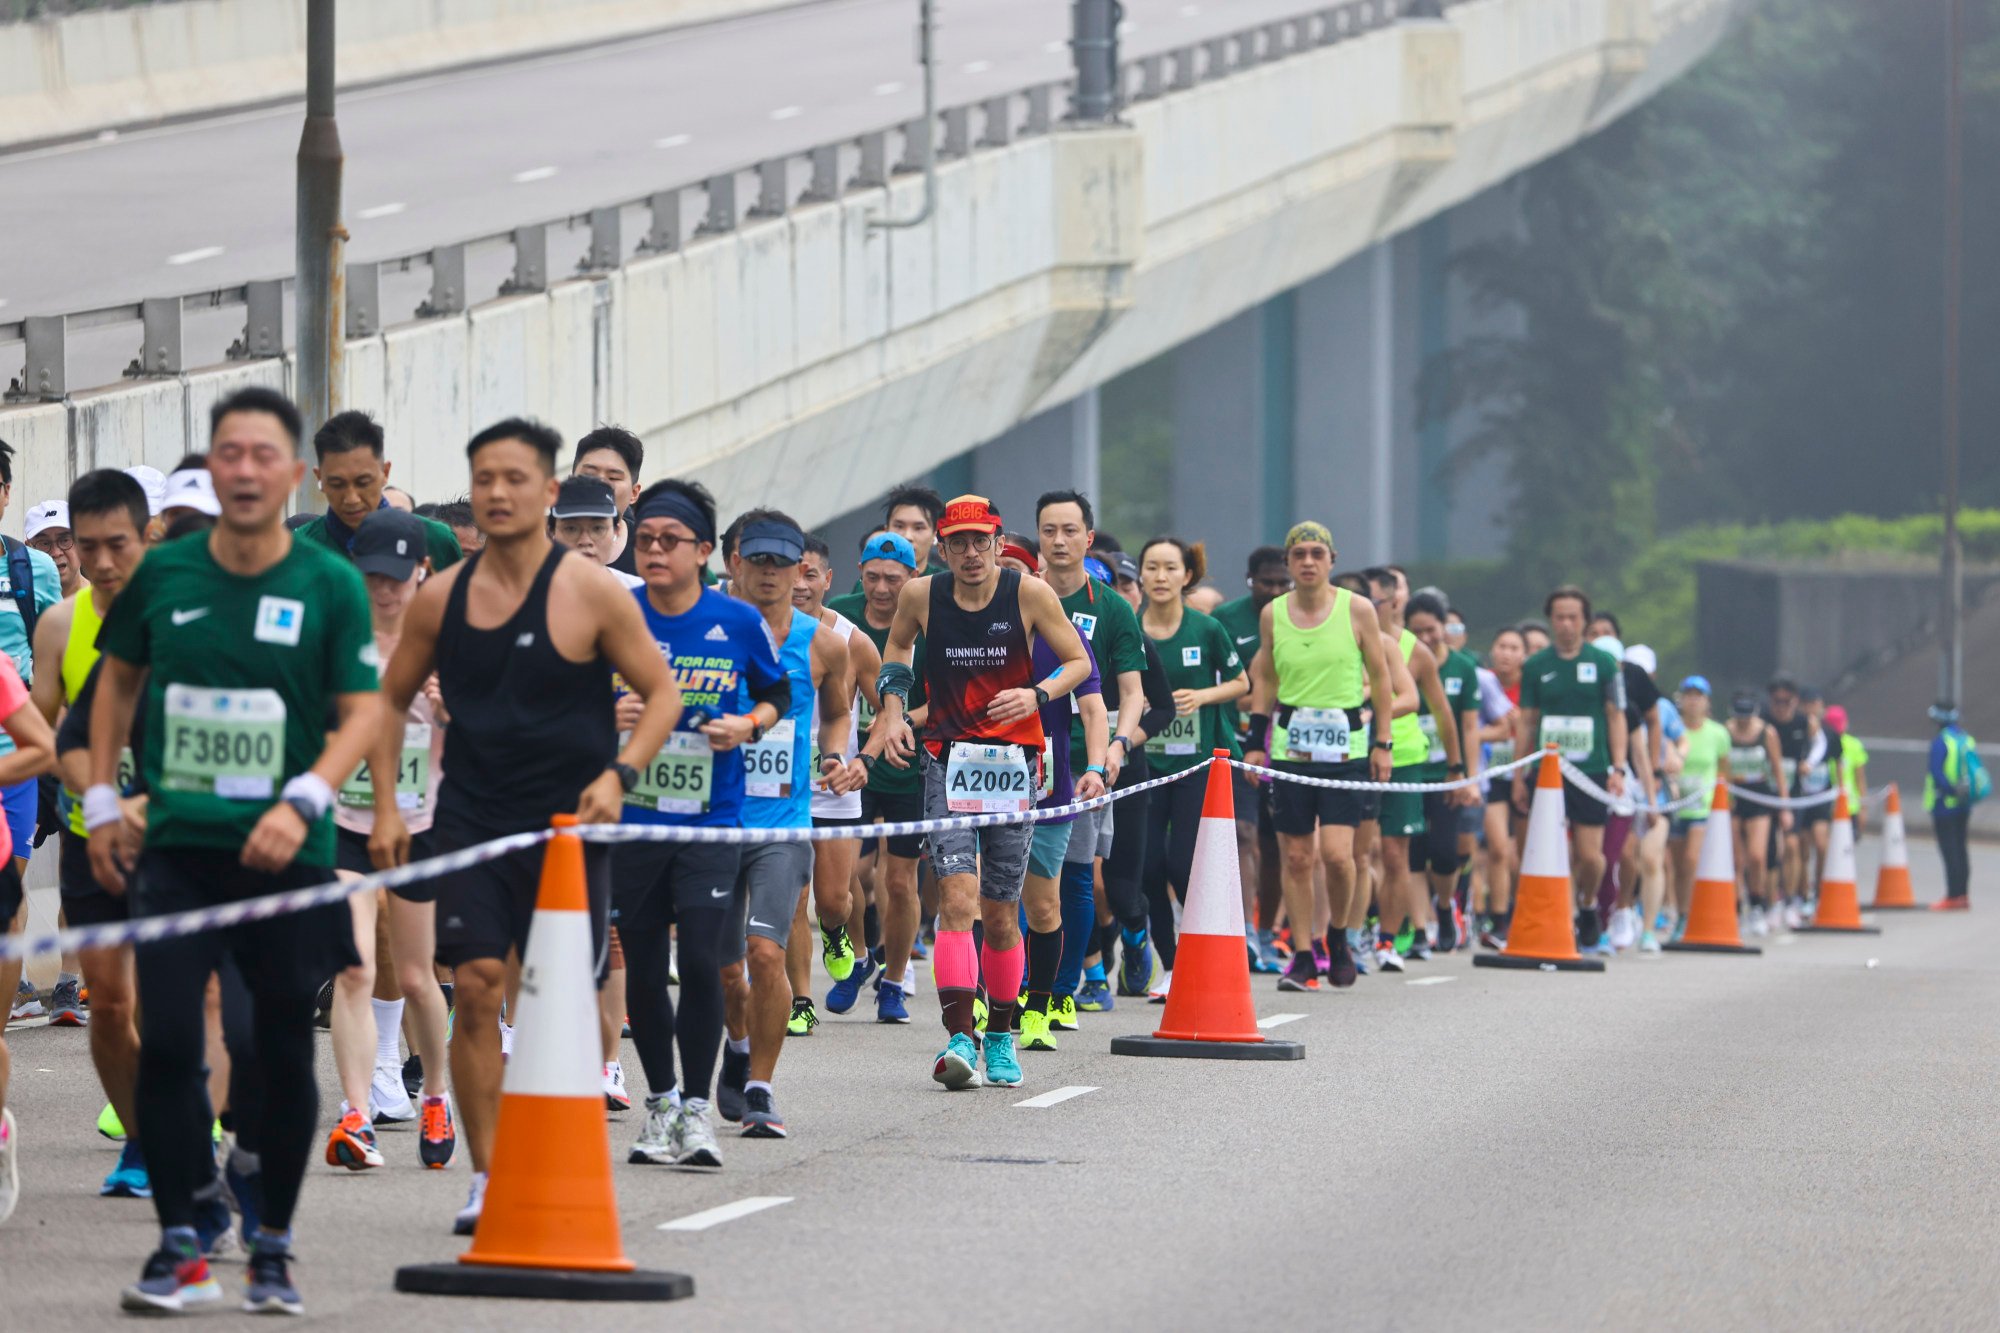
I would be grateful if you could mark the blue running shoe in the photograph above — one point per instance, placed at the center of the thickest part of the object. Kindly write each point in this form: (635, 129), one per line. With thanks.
(1135, 966)
(1094, 997)
(958, 1063)
(1003, 1069)
(176, 1278)
(270, 1289)
(842, 995)
(129, 1179)
(891, 1006)
(214, 1226)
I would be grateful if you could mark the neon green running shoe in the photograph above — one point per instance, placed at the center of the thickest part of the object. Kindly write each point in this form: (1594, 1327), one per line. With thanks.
(1035, 1032)
(1405, 938)
(836, 950)
(804, 1019)
(109, 1125)
(1062, 1013)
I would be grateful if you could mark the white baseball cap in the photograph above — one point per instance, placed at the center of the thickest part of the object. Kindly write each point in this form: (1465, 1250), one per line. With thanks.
(1643, 657)
(192, 489)
(48, 514)
(154, 482)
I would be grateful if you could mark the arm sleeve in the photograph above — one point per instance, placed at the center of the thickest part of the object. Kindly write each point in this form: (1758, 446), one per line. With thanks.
(1159, 691)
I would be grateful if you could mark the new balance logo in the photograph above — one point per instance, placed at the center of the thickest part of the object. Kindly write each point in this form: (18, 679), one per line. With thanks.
(527, 640)
(717, 634)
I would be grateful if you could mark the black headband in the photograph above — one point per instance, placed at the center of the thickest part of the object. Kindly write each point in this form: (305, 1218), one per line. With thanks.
(674, 504)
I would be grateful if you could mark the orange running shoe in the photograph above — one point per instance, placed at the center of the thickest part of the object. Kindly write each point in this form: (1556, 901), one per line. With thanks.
(439, 1137)
(352, 1143)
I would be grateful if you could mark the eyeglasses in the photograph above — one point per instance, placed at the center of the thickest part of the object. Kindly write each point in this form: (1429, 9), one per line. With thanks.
(959, 543)
(665, 542)
(61, 541)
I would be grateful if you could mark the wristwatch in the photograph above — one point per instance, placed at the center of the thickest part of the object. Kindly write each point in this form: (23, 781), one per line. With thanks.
(826, 759)
(628, 776)
(1385, 745)
(1457, 770)
(756, 728)
(1041, 697)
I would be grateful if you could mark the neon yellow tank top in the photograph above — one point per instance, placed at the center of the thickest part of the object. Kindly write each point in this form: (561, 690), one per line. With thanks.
(1406, 732)
(1319, 667)
(80, 649)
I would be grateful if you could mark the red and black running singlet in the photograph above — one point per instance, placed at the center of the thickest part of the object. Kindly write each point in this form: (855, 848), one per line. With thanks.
(969, 657)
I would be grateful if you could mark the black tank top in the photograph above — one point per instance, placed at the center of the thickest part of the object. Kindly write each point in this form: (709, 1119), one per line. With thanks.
(529, 728)
(970, 656)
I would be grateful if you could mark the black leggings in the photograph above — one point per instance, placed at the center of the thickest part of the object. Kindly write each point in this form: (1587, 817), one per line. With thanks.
(1950, 832)
(655, 1026)
(1173, 817)
(1124, 869)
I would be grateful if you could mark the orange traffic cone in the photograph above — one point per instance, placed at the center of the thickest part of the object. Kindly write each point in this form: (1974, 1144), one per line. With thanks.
(1712, 925)
(1839, 907)
(549, 1228)
(1209, 1012)
(1543, 935)
(1892, 881)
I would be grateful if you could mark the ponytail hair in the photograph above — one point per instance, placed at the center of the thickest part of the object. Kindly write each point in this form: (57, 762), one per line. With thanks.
(1194, 556)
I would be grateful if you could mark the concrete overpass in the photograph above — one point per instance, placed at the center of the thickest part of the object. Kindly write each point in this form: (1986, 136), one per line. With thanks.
(765, 337)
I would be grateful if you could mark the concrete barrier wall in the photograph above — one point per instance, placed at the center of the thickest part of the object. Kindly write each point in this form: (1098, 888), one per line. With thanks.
(89, 71)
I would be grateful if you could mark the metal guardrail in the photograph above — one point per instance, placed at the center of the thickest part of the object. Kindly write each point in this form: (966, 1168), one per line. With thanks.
(686, 212)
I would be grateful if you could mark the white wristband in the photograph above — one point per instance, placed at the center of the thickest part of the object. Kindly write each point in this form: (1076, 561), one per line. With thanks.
(310, 788)
(100, 806)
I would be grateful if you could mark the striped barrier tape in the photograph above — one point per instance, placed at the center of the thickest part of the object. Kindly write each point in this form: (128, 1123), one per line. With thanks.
(1350, 784)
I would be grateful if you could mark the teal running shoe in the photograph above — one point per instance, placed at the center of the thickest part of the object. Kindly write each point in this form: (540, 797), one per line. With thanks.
(1003, 1070)
(958, 1063)
(129, 1179)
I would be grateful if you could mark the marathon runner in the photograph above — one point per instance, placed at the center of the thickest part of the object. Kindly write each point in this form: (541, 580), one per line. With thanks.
(1818, 771)
(913, 513)
(33, 750)
(614, 455)
(1755, 761)
(241, 776)
(1499, 732)
(1321, 659)
(1450, 752)
(1788, 858)
(48, 530)
(1573, 698)
(1256, 839)
(1704, 759)
(354, 475)
(30, 585)
(982, 754)
(523, 639)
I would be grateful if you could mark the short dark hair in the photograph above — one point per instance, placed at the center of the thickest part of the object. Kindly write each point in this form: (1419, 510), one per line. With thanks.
(185, 522)
(923, 497)
(735, 528)
(1077, 498)
(1353, 581)
(194, 461)
(1568, 592)
(1425, 603)
(429, 509)
(618, 440)
(106, 491)
(544, 440)
(257, 398)
(455, 514)
(693, 491)
(1617, 630)
(1375, 574)
(344, 432)
(1262, 556)
(816, 545)
(6, 463)
(1100, 542)
(1194, 557)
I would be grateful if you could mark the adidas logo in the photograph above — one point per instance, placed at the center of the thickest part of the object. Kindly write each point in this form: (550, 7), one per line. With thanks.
(717, 633)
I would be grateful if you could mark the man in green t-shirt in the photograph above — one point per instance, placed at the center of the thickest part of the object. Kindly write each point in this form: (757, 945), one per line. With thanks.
(893, 795)
(1573, 698)
(352, 474)
(1268, 579)
(246, 642)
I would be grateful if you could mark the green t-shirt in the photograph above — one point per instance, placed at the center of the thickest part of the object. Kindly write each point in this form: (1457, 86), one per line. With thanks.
(244, 677)
(1240, 620)
(1198, 656)
(1707, 747)
(1853, 754)
(440, 542)
(1571, 694)
(1112, 628)
(884, 777)
(1459, 674)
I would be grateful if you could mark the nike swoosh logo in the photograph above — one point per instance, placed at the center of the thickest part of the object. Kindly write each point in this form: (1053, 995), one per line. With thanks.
(755, 922)
(718, 893)
(183, 617)
(1546, 679)
(1248, 638)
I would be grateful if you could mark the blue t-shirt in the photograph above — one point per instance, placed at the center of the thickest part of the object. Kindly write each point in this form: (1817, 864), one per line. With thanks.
(13, 630)
(1671, 724)
(783, 799)
(1055, 724)
(718, 652)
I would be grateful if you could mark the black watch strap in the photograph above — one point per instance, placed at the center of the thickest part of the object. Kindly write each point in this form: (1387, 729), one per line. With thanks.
(1041, 697)
(628, 776)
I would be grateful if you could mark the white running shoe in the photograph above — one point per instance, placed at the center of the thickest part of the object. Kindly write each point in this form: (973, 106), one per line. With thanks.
(695, 1136)
(388, 1100)
(615, 1096)
(655, 1144)
(1759, 926)
(1158, 994)
(1649, 943)
(1387, 959)
(1794, 918)
(467, 1220)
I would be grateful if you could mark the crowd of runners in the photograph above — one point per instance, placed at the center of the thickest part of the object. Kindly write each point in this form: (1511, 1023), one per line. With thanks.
(206, 702)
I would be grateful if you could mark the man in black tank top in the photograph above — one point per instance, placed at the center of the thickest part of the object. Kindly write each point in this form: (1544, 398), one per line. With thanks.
(523, 640)
(982, 749)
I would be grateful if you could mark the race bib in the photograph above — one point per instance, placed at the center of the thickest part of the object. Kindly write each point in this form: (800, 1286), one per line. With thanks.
(128, 771)
(1500, 752)
(228, 743)
(864, 716)
(413, 775)
(987, 780)
(1182, 736)
(1818, 778)
(1428, 724)
(1570, 735)
(680, 779)
(1318, 736)
(1750, 763)
(767, 764)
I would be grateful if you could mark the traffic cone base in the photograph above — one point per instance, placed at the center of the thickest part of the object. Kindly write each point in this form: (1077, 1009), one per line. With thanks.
(1529, 963)
(1838, 930)
(1689, 946)
(1712, 926)
(1209, 1014)
(541, 1284)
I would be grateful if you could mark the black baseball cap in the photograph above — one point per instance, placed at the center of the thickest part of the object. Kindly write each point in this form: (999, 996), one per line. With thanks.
(388, 542)
(1743, 703)
(584, 497)
(1123, 565)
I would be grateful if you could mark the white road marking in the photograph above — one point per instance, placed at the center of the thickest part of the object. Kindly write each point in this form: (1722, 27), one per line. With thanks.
(978, 66)
(674, 141)
(1428, 981)
(195, 256)
(1055, 1096)
(889, 89)
(728, 1212)
(380, 211)
(788, 112)
(533, 174)
(1278, 1020)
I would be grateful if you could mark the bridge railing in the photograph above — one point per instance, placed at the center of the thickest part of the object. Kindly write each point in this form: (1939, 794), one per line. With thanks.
(171, 329)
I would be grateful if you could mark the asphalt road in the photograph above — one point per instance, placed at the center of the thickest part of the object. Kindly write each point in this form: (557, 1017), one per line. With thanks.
(1799, 1140)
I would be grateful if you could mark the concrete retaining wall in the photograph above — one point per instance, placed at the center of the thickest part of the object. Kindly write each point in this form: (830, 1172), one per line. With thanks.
(90, 71)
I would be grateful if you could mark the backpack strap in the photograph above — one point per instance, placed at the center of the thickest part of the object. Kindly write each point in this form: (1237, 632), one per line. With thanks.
(21, 577)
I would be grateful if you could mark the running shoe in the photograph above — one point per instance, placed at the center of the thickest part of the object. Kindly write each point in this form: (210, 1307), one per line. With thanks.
(891, 1006)
(128, 1179)
(1267, 942)
(66, 1005)
(760, 1116)
(466, 1220)
(1260, 961)
(1003, 1070)
(1158, 995)
(1490, 938)
(1962, 903)
(439, 1137)
(1301, 974)
(979, 1013)
(1135, 967)
(1759, 926)
(1094, 997)
(1062, 1013)
(695, 1137)
(1649, 942)
(957, 1065)
(840, 996)
(10, 1166)
(352, 1143)
(413, 1075)
(615, 1096)
(270, 1289)
(1794, 918)
(920, 949)
(1320, 957)
(1623, 930)
(655, 1146)
(1405, 938)
(1386, 957)
(729, 1084)
(1360, 951)
(323, 1006)
(174, 1279)
(1035, 1034)
(1461, 928)
(243, 1178)
(1448, 931)
(1340, 972)
(27, 1002)
(214, 1228)
(803, 1019)
(1419, 950)
(1599, 948)
(109, 1125)
(388, 1100)
(836, 950)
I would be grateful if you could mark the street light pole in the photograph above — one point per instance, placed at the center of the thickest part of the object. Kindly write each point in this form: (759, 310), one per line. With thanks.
(1094, 47)
(1951, 666)
(319, 293)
